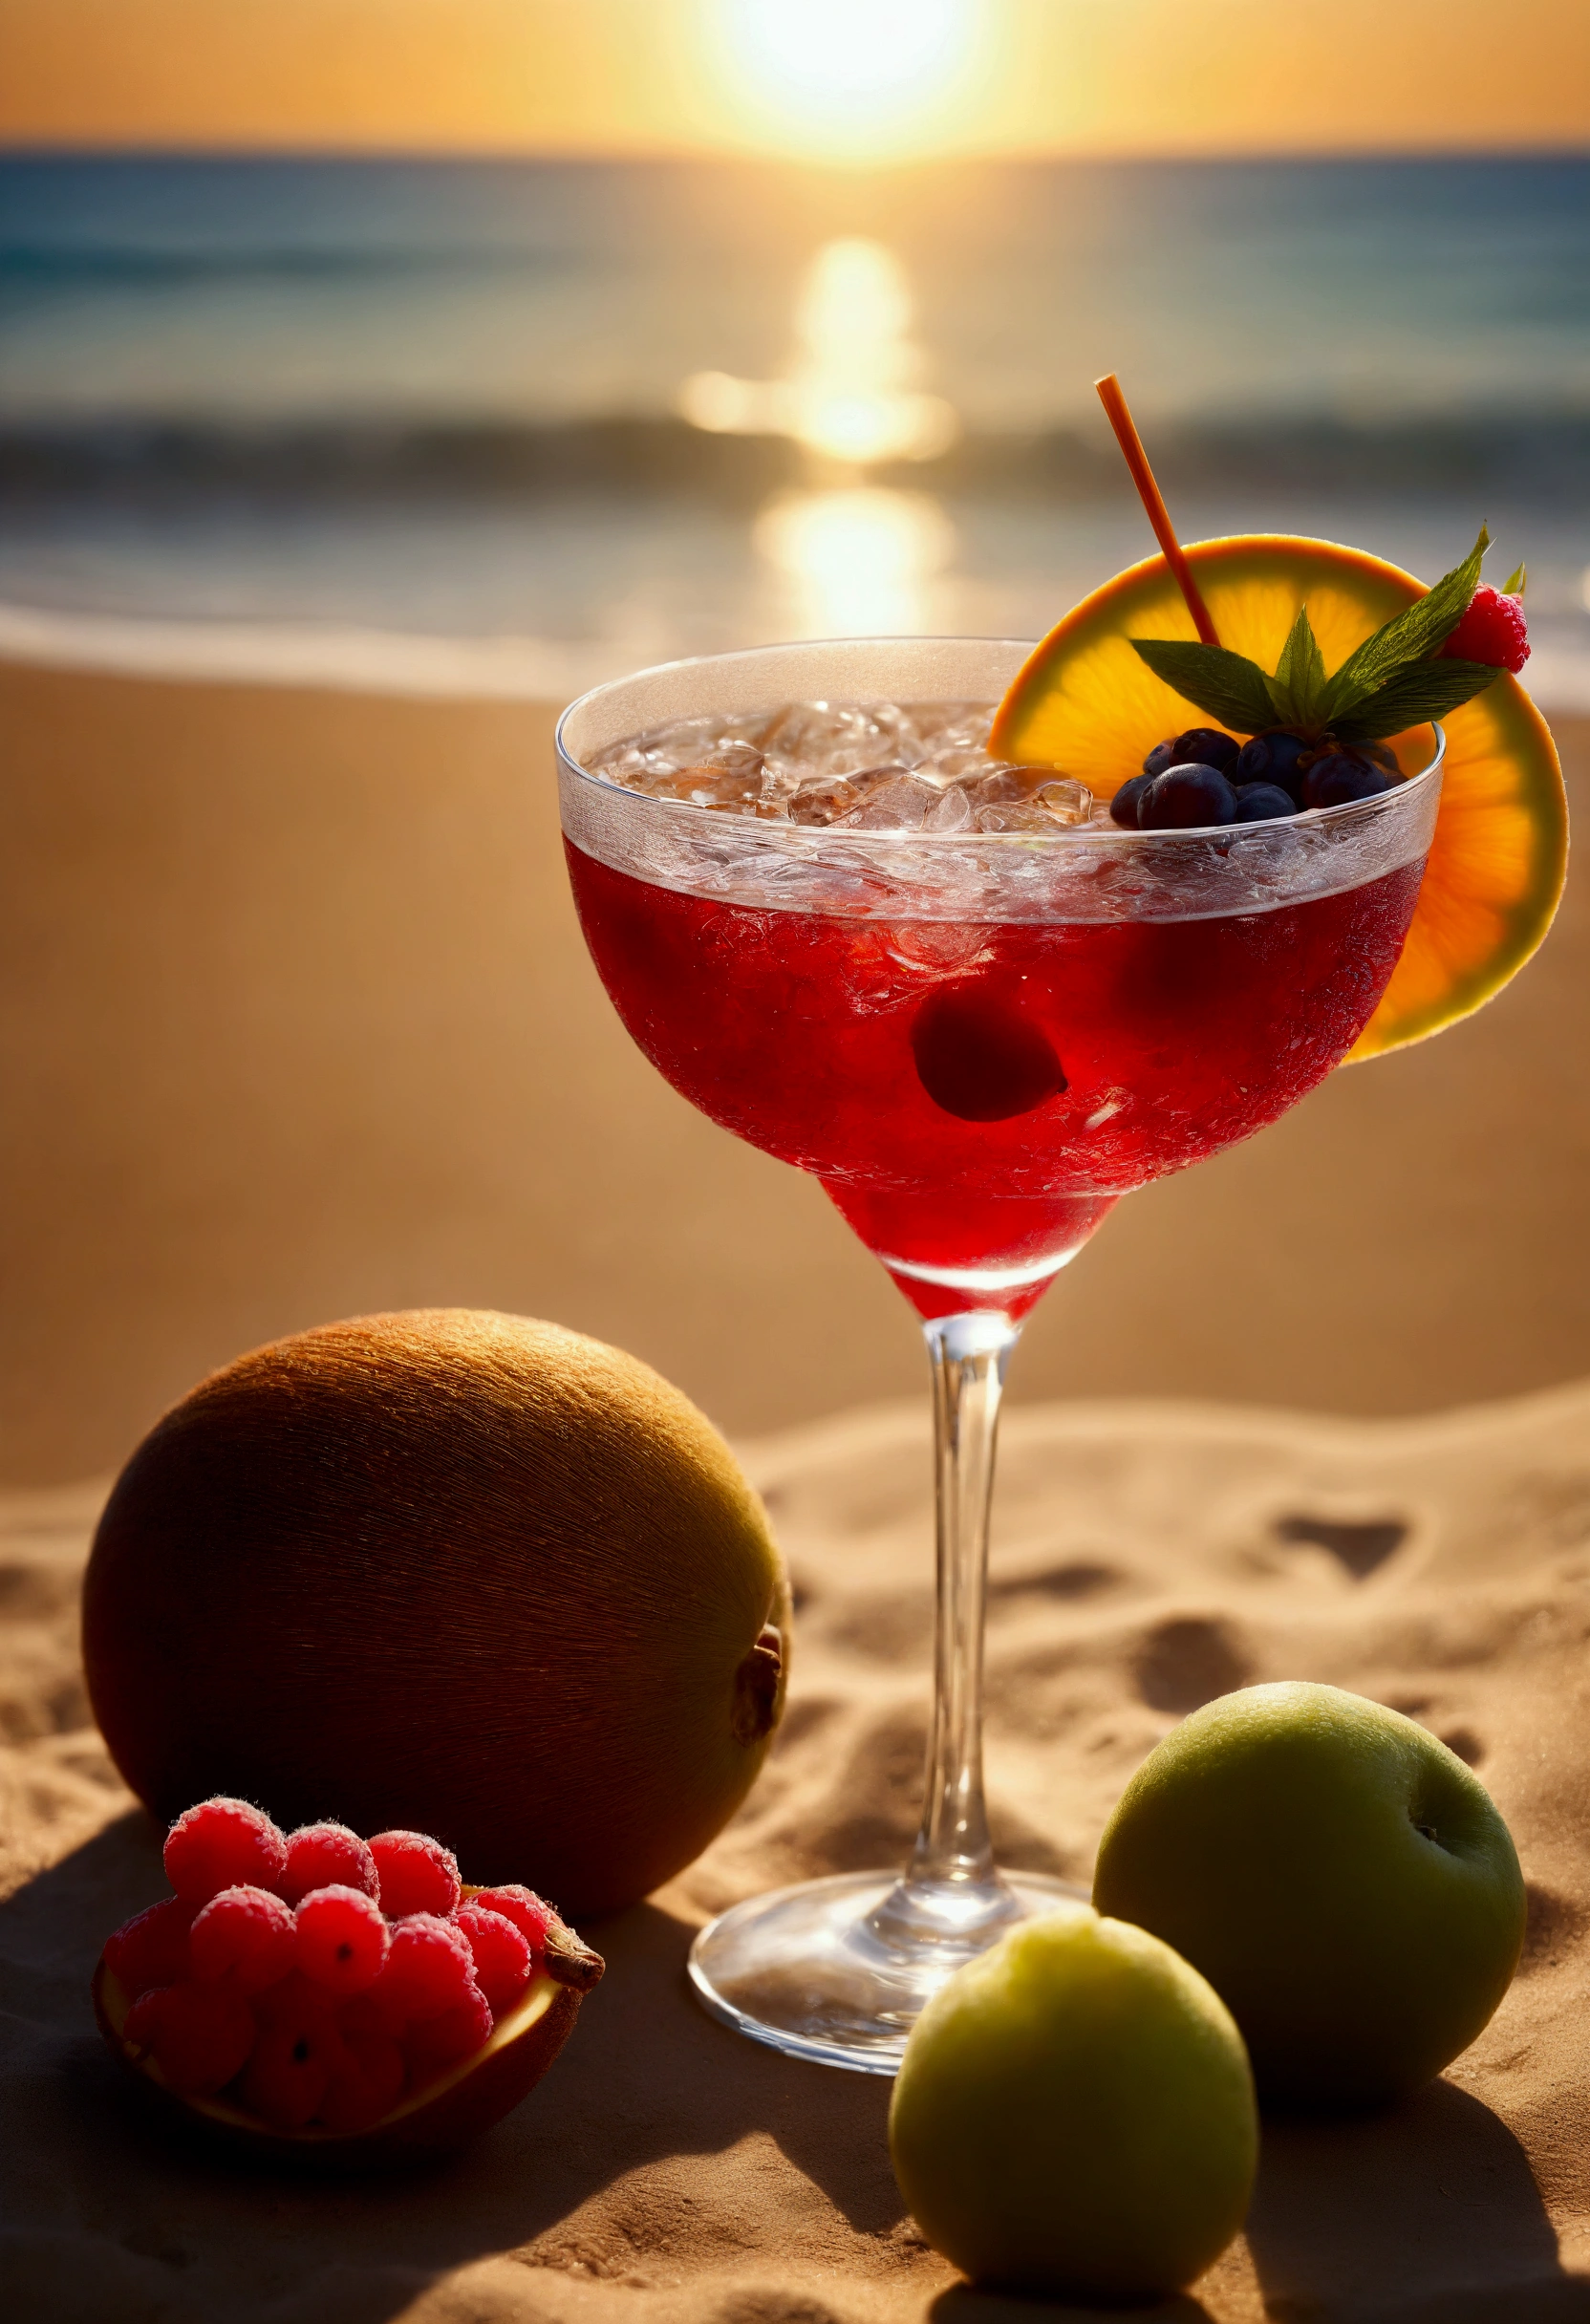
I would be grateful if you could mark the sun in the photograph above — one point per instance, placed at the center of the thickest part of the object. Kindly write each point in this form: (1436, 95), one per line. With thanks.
(849, 80)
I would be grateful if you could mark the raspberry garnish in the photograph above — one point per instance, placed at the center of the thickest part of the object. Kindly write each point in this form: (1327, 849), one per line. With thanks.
(416, 1874)
(439, 2042)
(152, 1947)
(222, 1843)
(428, 1970)
(365, 2083)
(342, 1939)
(502, 1953)
(1492, 629)
(298, 2049)
(327, 1856)
(199, 2036)
(245, 1934)
(524, 1908)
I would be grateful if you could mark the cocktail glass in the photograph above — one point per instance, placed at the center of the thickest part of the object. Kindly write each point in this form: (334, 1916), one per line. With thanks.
(977, 1044)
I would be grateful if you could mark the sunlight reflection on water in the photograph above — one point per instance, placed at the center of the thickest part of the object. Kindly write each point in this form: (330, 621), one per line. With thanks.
(848, 555)
(850, 395)
(859, 559)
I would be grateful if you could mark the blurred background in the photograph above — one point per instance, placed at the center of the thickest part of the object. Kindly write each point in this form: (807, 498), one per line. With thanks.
(376, 374)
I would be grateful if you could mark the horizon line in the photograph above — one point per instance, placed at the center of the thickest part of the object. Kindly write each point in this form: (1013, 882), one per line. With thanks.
(246, 149)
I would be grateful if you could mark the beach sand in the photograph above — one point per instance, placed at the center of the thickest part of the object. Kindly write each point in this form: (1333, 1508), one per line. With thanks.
(295, 1021)
(668, 2172)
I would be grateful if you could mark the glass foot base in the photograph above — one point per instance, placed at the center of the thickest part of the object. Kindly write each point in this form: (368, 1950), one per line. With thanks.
(836, 1971)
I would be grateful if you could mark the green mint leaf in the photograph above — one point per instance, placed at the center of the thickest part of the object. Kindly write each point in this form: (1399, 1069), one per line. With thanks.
(1302, 666)
(1298, 685)
(1228, 687)
(1428, 690)
(1514, 585)
(1411, 637)
(1282, 711)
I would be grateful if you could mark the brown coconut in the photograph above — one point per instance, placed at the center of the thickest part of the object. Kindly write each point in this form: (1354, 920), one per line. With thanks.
(449, 1571)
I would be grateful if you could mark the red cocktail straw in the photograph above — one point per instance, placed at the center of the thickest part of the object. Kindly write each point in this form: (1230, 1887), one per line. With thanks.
(1159, 516)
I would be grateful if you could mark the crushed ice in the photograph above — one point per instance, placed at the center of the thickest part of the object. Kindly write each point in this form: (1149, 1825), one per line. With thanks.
(857, 767)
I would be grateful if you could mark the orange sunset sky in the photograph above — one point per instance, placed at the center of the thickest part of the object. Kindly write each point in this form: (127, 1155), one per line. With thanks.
(844, 81)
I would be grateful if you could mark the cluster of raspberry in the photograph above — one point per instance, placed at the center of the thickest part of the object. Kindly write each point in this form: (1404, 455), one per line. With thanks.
(316, 1978)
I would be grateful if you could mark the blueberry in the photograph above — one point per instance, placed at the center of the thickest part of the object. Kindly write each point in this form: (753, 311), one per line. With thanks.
(1339, 777)
(1206, 747)
(1263, 802)
(1123, 808)
(1382, 754)
(1162, 756)
(1187, 798)
(1273, 758)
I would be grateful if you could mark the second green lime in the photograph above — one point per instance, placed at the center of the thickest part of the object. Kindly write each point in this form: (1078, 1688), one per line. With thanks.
(1074, 2115)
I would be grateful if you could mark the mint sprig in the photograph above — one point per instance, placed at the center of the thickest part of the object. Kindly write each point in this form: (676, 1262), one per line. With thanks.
(1419, 631)
(1428, 690)
(1229, 686)
(1391, 682)
(1299, 679)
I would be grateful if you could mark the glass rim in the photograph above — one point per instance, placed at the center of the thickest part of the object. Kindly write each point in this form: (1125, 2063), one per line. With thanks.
(1089, 834)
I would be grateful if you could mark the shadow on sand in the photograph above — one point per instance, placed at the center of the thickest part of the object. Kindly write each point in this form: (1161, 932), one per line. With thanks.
(961, 2304)
(646, 2079)
(1428, 2215)
(1425, 2215)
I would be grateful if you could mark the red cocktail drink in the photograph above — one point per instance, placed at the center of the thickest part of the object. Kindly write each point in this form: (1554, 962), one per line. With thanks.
(974, 1096)
(979, 1015)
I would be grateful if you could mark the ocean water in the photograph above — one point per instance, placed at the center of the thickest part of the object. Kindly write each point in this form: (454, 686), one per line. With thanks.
(451, 414)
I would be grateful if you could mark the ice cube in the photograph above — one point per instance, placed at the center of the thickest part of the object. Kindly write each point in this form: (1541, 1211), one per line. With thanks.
(899, 805)
(859, 758)
(956, 762)
(1003, 785)
(897, 723)
(732, 758)
(732, 790)
(633, 766)
(1017, 815)
(951, 811)
(822, 799)
(779, 785)
(684, 741)
(1067, 800)
(826, 738)
(953, 726)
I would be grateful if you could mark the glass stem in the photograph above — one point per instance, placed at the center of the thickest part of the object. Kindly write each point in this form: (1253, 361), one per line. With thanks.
(969, 1354)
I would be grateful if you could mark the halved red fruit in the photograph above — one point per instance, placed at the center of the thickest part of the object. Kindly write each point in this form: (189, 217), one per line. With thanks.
(444, 2114)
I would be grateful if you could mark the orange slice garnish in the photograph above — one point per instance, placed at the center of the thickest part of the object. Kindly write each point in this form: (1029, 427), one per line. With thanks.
(1086, 703)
